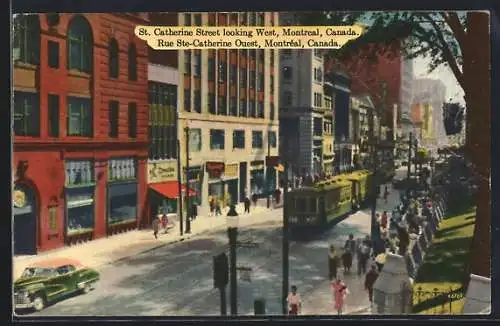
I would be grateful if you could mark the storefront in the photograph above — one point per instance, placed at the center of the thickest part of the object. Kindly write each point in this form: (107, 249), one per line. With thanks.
(231, 173)
(257, 180)
(25, 220)
(164, 193)
(122, 193)
(80, 200)
(271, 164)
(195, 177)
(215, 172)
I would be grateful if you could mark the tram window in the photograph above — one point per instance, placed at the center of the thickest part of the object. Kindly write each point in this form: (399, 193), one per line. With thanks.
(312, 205)
(321, 204)
(300, 204)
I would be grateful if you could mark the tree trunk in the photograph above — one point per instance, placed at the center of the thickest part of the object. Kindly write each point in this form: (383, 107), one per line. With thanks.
(478, 149)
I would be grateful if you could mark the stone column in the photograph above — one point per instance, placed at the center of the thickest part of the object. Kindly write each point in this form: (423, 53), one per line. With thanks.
(392, 290)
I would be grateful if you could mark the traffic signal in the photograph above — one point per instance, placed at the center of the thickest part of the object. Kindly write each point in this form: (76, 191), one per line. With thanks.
(221, 270)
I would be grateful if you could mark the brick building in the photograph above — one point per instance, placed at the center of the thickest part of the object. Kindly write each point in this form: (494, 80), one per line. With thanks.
(80, 128)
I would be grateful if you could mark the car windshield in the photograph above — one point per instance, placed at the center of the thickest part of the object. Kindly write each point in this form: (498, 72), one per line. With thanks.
(36, 271)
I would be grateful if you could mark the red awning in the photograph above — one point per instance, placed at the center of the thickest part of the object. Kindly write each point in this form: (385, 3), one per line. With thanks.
(170, 189)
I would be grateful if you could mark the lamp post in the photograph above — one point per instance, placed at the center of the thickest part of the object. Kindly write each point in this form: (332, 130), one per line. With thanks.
(189, 211)
(232, 233)
(286, 243)
(268, 180)
(179, 183)
(223, 181)
(416, 160)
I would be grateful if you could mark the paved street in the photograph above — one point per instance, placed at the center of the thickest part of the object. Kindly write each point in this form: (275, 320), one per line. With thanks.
(177, 279)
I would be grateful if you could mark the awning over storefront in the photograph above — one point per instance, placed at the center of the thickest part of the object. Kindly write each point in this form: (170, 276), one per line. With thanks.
(170, 189)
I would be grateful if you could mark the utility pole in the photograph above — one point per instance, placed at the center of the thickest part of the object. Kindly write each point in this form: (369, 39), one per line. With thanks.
(410, 141)
(188, 197)
(286, 243)
(375, 188)
(416, 160)
(179, 178)
(232, 234)
(268, 180)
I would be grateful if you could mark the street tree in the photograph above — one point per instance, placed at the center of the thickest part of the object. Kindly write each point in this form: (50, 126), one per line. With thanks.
(459, 40)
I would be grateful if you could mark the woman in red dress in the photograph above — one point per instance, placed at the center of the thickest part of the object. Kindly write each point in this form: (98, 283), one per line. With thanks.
(340, 293)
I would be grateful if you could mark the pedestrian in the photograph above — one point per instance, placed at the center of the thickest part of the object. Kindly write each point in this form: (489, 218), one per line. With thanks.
(363, 256)
(383, 220)
(340, 293)
(277, 196)
(218, 210)
(370, 279)
(254, 199)
(294, 301)
(212, 206)
(333, 263)
(386, 194)
(404, 239)
(194, 211)
(156, 225)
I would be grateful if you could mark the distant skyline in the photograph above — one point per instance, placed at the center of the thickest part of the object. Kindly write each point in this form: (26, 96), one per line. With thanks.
(453, 90)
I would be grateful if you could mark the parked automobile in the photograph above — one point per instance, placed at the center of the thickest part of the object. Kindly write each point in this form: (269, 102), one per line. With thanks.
(49, 281)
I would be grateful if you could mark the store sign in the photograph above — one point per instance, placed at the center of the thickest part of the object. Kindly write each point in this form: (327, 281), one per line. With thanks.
(214, 169)
(257, 165)
(162, 171)
(231, 170)
(19, 199)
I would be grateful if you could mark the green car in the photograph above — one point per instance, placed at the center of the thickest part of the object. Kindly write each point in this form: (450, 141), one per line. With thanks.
(45, 284)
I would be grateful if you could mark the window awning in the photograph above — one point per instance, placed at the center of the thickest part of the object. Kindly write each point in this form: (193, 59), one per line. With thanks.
(170, 189)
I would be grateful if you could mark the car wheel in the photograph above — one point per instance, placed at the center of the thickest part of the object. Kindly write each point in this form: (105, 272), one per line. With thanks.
(38, 303)
(86, 288)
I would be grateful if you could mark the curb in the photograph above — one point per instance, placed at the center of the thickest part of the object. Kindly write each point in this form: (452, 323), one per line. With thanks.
(359, 311)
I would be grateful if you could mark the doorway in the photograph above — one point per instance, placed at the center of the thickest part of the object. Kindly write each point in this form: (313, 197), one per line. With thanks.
(243, 181)
(25, 224)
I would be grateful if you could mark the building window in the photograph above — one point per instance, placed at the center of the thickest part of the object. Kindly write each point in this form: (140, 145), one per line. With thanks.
(287, 73)
(318, 75)
(252, 109)
(239, 139)
(261, 82)
(243, 108)
(187, 62)
(132, 62)
(261, 19)
(286, 52)
(253, 54)
(195, 140)
(211, 103)
(53, 54)
(233, 74)
(197, 19)
(260, 110)
(243, 77)
(113, 59)
(122, 191)
(271, 112)
(187, 19)
(162, 121)
(317, 53)
(114, 112)
(251, 19)
(222, 105)
(317, 127)
(253, 77)
(233, 106)
(80, 45)
(197, 101)
(222, 72)
(257, 139)
(26, 45)
(53, 107)
(318, 100)
(216, 139)
(79, 117)
(26, 114)
(272, 139)
(132, 120)
(211, 69)
(187, 100)
(197, 63)
(288, 96)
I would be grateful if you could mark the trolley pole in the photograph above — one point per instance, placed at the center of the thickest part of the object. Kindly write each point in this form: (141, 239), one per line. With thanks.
(188, 198)
(268, 180)
(408, 175)
(374, 226)
(179, 178)
(286, 243)
(416, 161)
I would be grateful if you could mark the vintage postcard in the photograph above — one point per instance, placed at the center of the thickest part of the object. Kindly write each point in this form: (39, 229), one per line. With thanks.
(251, 163)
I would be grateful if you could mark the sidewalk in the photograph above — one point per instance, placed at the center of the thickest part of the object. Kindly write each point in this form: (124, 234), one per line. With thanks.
(111, 249)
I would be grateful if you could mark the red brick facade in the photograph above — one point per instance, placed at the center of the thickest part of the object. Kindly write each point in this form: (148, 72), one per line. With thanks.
(45, 155)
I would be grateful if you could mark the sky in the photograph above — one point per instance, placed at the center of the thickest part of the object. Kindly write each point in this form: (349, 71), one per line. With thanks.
(453, 90)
